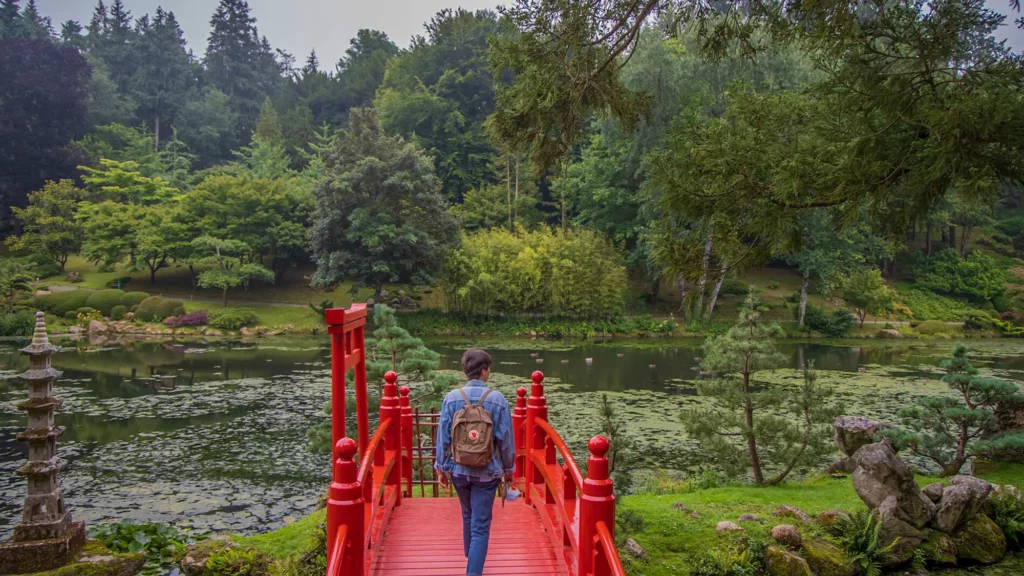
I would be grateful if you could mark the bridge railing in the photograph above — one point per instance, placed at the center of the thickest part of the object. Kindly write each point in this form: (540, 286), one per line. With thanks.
(362, 497)
(578, 512)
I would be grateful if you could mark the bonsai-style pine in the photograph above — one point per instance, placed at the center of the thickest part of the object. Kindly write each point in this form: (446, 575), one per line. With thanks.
(948, 429)
(754, 425)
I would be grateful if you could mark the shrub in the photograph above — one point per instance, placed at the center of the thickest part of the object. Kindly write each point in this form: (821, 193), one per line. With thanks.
(156, 309)
(1002, 303)
(105, 300)
(860, 537)
(85, 310)
(118, 312)
(74, 278)
(197, 318)
(934, 327)
(236, 562)
(834, 324)
(131, 299)
(60, 303)
(1008, 513)
(161, 543)
(927, 305)
(977, 320)
(773, 285)
(18, 324)
(1009, 317)
(71, 315)
(87, 315)
(233, 318)
(978, 276)
(178, 311)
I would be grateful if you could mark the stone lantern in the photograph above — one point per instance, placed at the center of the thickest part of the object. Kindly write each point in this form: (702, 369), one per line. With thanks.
(46, 537)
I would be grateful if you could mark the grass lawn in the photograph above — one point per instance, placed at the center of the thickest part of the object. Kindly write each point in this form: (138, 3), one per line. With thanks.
(673, 540)
(302, 318)
(287, 541)
(176, 281)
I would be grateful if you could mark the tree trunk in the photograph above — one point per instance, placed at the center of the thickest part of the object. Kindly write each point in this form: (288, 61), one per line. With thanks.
(152, 274)
(928, 235)
(515, 209)
(192, 271)
(714, 295)
(803, 298)
(945, 234)
(681, 282)
(224, 298)
(63, 262)
(863, 315)
(748, 417)
(965, 238)
(156, 132)
(508, 189)
(952, 235)
(699, 311)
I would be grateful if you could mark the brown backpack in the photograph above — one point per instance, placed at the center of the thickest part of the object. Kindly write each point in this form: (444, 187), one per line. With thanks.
(472, 433)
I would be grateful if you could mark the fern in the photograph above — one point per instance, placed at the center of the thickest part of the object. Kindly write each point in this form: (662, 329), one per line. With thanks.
(1008, 513)
(861, 540)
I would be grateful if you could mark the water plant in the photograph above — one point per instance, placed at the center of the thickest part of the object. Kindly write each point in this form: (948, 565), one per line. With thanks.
(161, 543)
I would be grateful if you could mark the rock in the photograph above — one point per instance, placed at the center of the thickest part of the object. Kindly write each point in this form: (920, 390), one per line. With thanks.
(781, 562)
(832, 520)
(95, 327)
(961, 501)
(881, 474)
(401, 292)
(934, 491)
(828, 559)
(214, 333)
(847, 465)
(95, 559)
(853, 432)
(74, 330)
(980, 540)
(685, 509)
(246, 332)
(788, 536)
(786, 511)
(635, 550)
(895, 531)
(889, 334)
(749, 518)
(939, 548)
(726, 526)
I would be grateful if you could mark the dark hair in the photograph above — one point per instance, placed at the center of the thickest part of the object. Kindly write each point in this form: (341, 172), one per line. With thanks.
(474, 362)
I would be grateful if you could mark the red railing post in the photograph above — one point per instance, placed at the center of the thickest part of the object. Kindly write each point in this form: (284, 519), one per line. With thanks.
(550, 462)
(390, 408)
(519, 429)
(597, 503)
(403, 402)
(536, 408)
(345, 508)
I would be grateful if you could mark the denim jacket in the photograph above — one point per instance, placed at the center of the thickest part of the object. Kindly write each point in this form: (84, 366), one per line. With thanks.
(504, 458)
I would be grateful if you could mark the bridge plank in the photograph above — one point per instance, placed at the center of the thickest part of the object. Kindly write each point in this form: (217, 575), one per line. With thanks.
(424, 538)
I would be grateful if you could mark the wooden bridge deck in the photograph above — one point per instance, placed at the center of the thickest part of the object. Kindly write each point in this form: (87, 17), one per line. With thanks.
(424, 538)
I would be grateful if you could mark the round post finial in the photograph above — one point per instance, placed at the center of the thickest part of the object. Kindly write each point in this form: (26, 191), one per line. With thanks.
(521, 392)
(345, 449)
(404, 391)
(390, 377)
(599, 446)
(537, 377)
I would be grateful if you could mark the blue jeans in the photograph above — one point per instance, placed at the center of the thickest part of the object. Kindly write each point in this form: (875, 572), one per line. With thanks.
(476, 495)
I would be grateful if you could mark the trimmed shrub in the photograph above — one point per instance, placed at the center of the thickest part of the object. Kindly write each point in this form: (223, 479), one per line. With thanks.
(179, 311)
(934, 327)
(978, 276)
(118, 312)
(105, 300)
(930, 306)
(43, 266)
(156, 309)
(18, 324)
(977, 320)
(71, 315)
(736, 287)
(233, 318)
(1002, 303)
(834, 324)
(131, 299)
(134, 309)
(197, 318)
(60, 303)
(116, 282)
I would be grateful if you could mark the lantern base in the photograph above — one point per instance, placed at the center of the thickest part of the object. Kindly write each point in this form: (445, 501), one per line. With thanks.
(41, 555)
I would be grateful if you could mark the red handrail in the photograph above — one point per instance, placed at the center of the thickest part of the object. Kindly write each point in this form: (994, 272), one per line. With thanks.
(334, 569)
(570, 462)
(606, 556)
(366, 465)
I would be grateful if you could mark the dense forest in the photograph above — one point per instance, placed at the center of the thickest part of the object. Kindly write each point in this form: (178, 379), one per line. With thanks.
(507, 162)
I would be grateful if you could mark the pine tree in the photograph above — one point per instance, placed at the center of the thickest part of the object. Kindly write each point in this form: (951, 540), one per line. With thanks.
(166, 73)
(393, 348)
(34, 25)
(71, 34)
(238, 62)
(111, 38)
(312, 64)
(268, 127)
(98, 23)
(948, 430)
(745, 426)
(10, 19)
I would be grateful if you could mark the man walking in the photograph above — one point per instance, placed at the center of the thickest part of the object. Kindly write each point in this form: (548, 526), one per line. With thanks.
(475, 444)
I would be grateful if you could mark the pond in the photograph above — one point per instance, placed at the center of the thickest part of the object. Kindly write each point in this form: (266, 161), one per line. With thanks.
(212, 436)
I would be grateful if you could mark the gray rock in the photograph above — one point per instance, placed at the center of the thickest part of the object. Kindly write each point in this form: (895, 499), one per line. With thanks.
(788, 536)
(881, 475)
(786, 511)
(635, 550)
(96, 327)
(750, 518)
(934, 491)
(831, 520)
(980, 540)
(853, 432)
(782, 562)
(900, 534)
(889, 334)
(847, 465)
(726, 526)
(961, 502)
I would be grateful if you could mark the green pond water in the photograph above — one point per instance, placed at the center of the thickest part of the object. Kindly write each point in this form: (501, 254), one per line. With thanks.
(212, 436)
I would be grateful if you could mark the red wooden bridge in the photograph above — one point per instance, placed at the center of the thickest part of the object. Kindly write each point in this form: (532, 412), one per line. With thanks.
(564, 524)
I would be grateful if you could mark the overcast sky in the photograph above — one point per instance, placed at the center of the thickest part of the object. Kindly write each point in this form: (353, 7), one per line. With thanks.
(297, 26)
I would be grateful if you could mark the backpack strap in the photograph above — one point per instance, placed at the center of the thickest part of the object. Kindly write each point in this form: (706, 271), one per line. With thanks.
(482, 398)
(464, 397)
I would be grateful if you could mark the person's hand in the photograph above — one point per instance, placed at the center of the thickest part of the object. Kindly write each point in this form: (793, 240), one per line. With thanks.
(510, 478)
(443, 479)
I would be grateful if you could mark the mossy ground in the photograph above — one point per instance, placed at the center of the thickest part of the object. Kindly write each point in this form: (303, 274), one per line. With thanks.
(674, 539)
(288, 541)
(119, 564)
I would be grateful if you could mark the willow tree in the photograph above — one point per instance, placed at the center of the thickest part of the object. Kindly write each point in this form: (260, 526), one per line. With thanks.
(751, 424)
